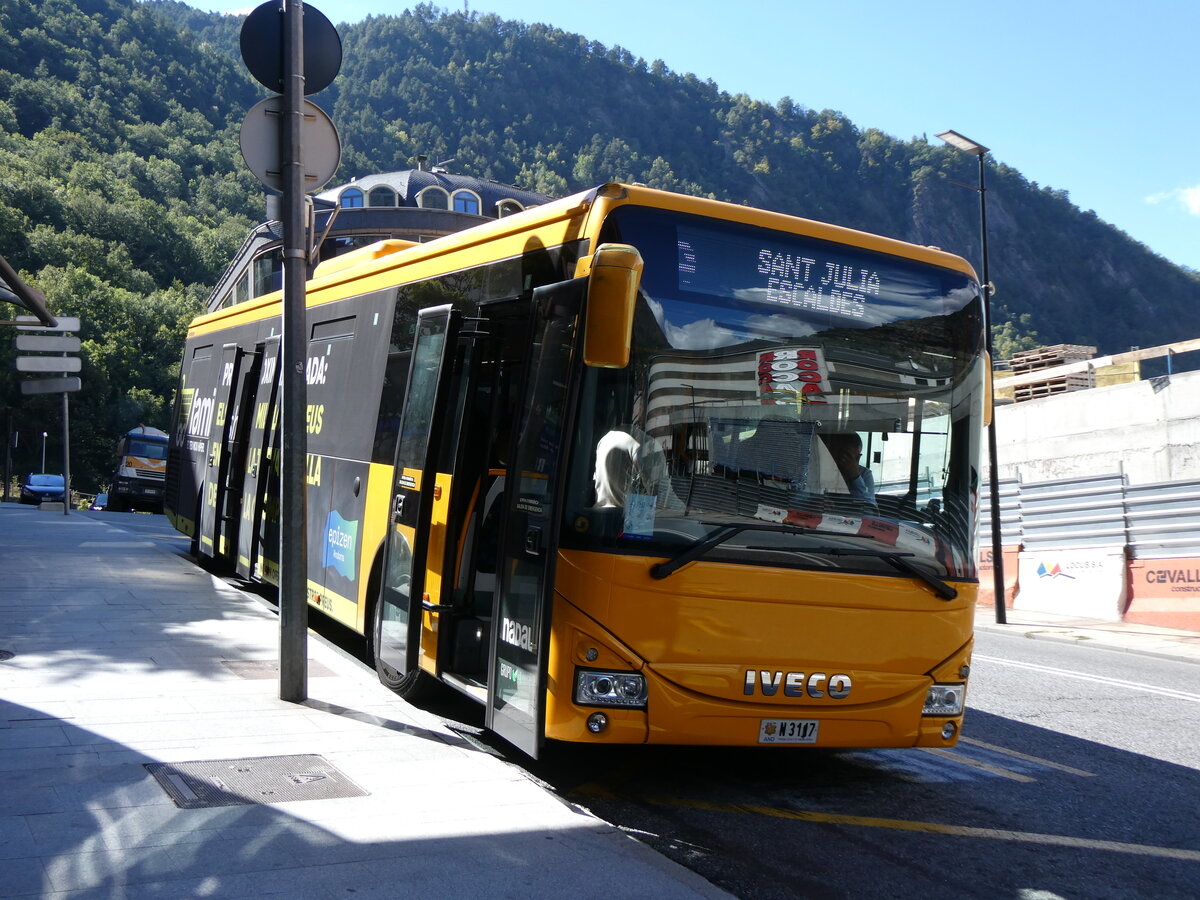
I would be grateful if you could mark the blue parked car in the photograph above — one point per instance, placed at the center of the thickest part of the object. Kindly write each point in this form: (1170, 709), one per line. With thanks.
(36, 488)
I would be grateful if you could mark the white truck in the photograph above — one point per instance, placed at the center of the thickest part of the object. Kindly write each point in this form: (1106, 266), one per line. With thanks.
(141, 471)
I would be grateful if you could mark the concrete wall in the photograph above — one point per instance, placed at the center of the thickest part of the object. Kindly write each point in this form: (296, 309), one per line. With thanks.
(1150, 435)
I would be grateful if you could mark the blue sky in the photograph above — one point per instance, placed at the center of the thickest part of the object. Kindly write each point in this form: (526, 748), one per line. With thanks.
(1100, 98)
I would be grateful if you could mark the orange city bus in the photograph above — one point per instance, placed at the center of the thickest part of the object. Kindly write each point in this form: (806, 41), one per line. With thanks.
(628, 467)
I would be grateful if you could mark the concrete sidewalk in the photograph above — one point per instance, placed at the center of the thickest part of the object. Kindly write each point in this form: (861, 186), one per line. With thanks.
(1127, 637)
(119, 656)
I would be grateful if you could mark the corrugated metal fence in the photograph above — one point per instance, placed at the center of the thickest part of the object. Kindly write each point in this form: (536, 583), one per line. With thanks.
(1150, 520)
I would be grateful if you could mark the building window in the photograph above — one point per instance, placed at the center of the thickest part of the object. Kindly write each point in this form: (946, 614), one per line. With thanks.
(507, 208)
(433, 198)
(241, 290)
(351, 198)
(268, 272)
(466, 202)
(382, 196)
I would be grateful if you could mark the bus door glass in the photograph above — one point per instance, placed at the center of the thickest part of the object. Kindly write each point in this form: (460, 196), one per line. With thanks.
(259, 410)
(212, 541)
(399, 618)
(529, 536)
(233, 469)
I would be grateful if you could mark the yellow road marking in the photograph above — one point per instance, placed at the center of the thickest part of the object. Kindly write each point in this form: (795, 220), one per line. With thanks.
(978, 764)
(1033, 759)
(994, 834)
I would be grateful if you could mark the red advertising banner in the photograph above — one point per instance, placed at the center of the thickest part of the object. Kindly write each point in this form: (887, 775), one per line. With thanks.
(1165, 592)
(987, 578)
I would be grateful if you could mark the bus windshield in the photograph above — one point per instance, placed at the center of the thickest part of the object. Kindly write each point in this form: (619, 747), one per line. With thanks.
(826, 395)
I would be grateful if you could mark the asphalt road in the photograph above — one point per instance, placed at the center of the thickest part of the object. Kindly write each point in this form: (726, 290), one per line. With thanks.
(1078, 776)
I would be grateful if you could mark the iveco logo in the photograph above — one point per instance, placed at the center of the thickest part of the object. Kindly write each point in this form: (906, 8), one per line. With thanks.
(796, 684)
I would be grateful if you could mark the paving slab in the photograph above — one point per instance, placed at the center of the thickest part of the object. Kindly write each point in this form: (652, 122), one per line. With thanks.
(125, 655)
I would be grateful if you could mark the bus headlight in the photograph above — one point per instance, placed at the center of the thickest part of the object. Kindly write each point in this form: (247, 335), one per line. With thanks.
(944, 700)
(597, 688)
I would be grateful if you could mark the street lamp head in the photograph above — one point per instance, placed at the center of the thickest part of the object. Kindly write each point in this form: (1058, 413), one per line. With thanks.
(960, 142)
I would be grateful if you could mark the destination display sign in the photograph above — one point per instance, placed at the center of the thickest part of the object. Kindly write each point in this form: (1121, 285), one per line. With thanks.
(771, 272)
(812, 276)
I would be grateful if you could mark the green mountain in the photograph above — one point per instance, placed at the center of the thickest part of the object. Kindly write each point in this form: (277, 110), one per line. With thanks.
(123, 193)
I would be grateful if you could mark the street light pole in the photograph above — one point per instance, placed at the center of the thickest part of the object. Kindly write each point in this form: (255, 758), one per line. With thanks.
(960, 142)
(43, 468)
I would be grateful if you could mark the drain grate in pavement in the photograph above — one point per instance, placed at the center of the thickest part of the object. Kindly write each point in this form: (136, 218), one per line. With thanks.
(262, 779)
(269, 668)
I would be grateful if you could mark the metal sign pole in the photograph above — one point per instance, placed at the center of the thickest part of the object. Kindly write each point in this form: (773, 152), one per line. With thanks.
(293, 553)
(993, 465)
(8, 445)
(66, 454)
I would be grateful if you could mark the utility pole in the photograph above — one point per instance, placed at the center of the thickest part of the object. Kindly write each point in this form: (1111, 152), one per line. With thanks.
(275, 144)
(293, 523)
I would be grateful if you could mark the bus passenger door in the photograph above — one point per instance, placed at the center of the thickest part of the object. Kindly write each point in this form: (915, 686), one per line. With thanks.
(529, 537)
(212, 536)
(398, 620)
(233, 469)
(259, 411)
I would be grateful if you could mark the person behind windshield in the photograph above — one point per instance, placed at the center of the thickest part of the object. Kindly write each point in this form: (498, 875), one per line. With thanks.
(615, 455)
(846, 449)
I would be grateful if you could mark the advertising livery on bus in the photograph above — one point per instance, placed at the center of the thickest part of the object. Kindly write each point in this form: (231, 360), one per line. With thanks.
(627, 467)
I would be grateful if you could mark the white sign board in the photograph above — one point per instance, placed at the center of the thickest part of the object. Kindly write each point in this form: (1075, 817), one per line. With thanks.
(1087, 583)
(48, 343)
(31, 323)
(51, 385)
(49, 364)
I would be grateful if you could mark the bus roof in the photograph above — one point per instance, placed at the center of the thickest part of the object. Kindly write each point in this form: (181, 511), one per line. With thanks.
(577, 217)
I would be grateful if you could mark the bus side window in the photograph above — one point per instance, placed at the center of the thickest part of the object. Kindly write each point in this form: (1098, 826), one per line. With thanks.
(391, 404)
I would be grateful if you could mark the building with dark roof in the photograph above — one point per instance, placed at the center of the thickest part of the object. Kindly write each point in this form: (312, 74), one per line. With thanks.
(419, 204)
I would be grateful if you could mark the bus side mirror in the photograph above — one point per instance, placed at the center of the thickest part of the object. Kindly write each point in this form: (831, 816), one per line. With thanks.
(612, 292)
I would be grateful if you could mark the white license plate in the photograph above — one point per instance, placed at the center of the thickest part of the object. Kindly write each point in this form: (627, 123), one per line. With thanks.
(788, 731)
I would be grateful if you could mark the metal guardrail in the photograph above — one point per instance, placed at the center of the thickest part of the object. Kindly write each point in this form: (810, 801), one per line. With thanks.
(1151, 520)
(1010, 510)
(1163, 519)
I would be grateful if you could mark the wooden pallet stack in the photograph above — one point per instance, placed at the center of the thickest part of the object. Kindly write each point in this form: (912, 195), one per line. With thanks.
(1048, 358)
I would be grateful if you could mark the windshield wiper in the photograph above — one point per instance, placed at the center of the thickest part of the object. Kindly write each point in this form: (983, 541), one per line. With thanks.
(898, 561)
(721, 535)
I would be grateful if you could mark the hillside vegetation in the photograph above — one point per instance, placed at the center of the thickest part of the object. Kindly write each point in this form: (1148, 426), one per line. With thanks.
(123, 193)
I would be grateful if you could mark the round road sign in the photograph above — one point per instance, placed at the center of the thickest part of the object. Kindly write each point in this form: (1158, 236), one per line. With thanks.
(262, 47)
(321, 149)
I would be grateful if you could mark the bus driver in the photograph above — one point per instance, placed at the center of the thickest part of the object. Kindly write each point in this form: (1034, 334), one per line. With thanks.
(846, 449)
